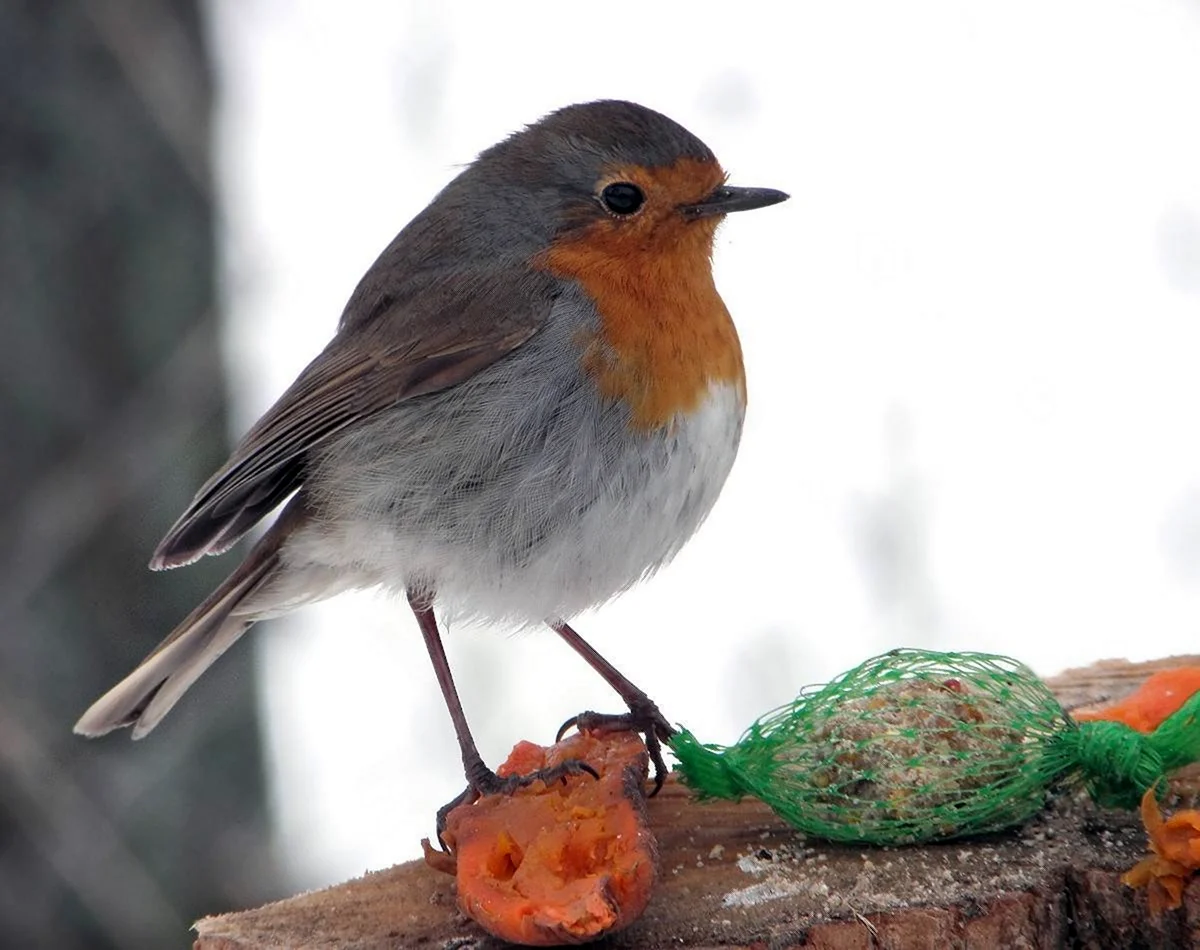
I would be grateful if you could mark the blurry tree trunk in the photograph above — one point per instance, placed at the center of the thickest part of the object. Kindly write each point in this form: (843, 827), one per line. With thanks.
(111, 414)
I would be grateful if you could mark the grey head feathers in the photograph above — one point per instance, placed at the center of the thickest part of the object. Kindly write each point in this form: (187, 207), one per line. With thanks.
(517, 195)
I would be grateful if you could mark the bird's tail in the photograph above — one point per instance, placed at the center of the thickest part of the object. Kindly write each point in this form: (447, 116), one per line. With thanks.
(148, 693)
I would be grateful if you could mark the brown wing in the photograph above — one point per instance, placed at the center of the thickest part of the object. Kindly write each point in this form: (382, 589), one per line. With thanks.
(398, 350)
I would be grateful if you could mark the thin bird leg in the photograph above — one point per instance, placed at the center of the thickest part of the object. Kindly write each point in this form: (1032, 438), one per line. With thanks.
(643, 715)
(480, 779)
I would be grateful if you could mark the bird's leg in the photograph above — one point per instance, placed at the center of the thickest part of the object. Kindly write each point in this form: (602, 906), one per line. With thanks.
(480, 779)
(643, 715)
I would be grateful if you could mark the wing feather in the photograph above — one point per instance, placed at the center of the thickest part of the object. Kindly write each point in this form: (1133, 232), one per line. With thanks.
(435, 337)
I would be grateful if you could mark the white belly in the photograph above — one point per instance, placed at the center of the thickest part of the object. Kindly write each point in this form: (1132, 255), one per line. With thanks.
(596, 510)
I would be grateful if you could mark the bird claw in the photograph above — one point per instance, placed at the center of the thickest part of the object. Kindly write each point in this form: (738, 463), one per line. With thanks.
(489, 783)
(506, 785)
(643, 717)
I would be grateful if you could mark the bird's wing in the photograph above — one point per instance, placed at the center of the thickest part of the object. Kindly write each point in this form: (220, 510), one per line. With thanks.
(387, 351)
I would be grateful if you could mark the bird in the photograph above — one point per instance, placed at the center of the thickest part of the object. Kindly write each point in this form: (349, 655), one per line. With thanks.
(532, 400)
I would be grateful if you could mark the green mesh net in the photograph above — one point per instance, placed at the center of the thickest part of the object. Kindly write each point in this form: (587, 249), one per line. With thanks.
(916, 745)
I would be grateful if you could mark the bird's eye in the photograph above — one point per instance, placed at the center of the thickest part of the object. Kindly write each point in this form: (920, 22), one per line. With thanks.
(621, 197)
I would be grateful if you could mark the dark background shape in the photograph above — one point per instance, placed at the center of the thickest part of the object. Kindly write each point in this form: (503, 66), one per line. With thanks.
(112, 411)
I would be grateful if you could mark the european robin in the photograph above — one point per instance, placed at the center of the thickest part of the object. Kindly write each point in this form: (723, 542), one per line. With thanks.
(532, 400)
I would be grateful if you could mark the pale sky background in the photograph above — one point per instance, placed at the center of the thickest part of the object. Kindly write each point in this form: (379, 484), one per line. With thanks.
(972, 340)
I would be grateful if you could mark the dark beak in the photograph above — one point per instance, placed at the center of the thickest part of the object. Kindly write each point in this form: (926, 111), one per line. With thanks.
(727, 198)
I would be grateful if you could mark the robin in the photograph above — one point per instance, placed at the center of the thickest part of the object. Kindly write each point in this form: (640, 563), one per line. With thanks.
(532, 400)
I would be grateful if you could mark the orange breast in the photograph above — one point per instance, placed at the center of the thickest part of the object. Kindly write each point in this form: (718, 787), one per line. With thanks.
(665, 334)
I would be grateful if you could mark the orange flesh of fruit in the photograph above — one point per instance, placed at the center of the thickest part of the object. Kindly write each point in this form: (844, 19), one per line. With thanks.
(1156, 699)
(566, 863)
(1175, 843)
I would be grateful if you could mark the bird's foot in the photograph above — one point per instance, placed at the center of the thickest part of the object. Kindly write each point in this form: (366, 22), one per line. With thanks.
(486, 782)
(643, 717)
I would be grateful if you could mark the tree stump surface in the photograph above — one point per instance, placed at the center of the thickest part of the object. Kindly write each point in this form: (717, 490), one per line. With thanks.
(734, 875)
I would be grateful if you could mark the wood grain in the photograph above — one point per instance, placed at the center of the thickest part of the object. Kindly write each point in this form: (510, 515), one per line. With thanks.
(733, 875)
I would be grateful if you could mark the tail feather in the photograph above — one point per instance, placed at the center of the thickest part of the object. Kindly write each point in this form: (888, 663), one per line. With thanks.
(148, 693)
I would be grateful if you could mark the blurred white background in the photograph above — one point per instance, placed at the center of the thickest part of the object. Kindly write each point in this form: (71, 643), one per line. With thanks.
(972, 340)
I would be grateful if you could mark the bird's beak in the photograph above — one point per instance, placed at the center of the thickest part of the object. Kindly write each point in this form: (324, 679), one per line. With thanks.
(727, 198)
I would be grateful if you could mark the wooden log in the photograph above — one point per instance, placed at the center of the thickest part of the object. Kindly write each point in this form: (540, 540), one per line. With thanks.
(733, 875)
